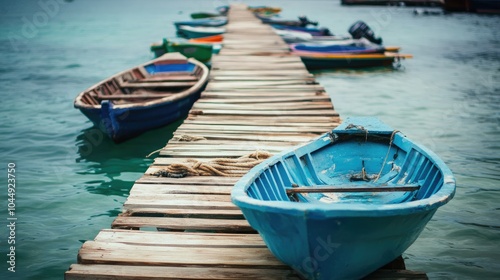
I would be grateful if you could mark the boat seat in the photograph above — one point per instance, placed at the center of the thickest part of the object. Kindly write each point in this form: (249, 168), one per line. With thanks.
(157, 84)
(134, 96)
(166, 78)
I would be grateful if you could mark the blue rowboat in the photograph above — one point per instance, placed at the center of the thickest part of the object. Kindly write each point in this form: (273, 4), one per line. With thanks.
(318, 60)
(200, 31)
(313, 31)
(301, 22)
(347, 203)
(290, 37)
(336, 48)
(148, 96)
(208, 22)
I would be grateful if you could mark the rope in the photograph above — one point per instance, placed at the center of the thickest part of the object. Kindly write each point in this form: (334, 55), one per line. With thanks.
(225, 167)
(188, 138)
(386, 155)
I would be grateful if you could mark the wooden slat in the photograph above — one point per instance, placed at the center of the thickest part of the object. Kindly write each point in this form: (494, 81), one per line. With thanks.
(152, 211)
(118, 253)
(180, 239)
(135, 272)
(179, 189)
(217, 225)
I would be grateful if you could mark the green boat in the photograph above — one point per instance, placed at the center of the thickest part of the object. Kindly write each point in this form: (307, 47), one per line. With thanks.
(200, 52)
(204, 15)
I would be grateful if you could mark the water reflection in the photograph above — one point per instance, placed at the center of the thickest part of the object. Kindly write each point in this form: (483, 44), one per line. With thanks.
(112, 169)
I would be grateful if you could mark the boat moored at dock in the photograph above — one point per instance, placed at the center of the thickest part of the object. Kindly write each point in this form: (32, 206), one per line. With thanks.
(148, 96)
(347, 203)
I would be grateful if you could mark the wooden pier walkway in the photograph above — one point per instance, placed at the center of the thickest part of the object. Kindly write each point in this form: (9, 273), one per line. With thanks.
(258, 98)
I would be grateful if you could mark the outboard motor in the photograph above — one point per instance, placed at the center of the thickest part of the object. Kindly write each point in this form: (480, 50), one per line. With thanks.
(325, 32)
(304, 21)
(361, 30)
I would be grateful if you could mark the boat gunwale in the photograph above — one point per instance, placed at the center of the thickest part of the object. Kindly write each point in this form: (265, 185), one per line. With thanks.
(203, 79)
(240, 197)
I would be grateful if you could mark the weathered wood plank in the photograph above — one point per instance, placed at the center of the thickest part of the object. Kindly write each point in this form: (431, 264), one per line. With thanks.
(300, 106)
(275, 112)
(135, 272)
(184, 239)
(278, 119)
(118, 253)
(151, 211)
(138, 188)
(217, 225)
(191, 180)
(281, 100)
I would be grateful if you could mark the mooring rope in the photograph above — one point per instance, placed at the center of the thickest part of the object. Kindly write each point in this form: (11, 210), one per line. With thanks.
(225, 167)
(386, 155)
(188, 138)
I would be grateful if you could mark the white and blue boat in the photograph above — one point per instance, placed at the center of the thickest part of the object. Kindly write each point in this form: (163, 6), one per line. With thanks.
(206, 22)
(347, 203)
(191, 32)
(145, 97)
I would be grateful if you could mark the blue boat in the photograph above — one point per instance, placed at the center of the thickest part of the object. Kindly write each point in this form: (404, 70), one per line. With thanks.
(347, 203)
(145, 97)
(336, 48)
(313, 31)
(199, 31)
(302, 21)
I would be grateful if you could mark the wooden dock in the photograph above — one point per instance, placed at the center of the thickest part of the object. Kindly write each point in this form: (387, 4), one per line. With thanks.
(258, 99)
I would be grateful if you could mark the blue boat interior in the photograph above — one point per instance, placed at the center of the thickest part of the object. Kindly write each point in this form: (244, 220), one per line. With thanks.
(164, 68)
(351, 158)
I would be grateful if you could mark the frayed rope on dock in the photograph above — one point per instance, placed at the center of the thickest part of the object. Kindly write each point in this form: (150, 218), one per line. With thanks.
(225, 167)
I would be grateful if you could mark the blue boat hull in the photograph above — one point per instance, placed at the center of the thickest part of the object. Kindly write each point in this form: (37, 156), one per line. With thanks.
(122, 124)
(145, 97)
(337, 248)
(318, 63)
(194, 34)
(344, 235)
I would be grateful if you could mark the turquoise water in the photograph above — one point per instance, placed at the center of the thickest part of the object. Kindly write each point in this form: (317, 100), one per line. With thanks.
(71, 182)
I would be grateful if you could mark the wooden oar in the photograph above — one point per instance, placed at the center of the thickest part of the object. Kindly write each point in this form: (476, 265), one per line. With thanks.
(340, 189)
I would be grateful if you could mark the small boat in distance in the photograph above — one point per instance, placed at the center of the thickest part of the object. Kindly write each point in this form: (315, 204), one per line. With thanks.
(191, 32)
(346, 203)
(311, 30)
(205, 22)
(318, 60)
(147, 96)
(200, 15)
(199, 51)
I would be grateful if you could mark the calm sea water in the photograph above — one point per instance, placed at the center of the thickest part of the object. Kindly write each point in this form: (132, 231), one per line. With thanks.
(71, 181)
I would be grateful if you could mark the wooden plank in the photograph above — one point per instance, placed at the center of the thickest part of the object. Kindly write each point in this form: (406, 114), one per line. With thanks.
(206, 154)
(300, 106)
(250, 137)
(272, 72)
(263, 123)
(252, 128)
(261, 94)
(276, 112)
(127, 272)
(138, 188)
(278, 119)
(217, 225)
(281, 100)
(178, 239)
(152, 211)
(191, 180)
(93, 252)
